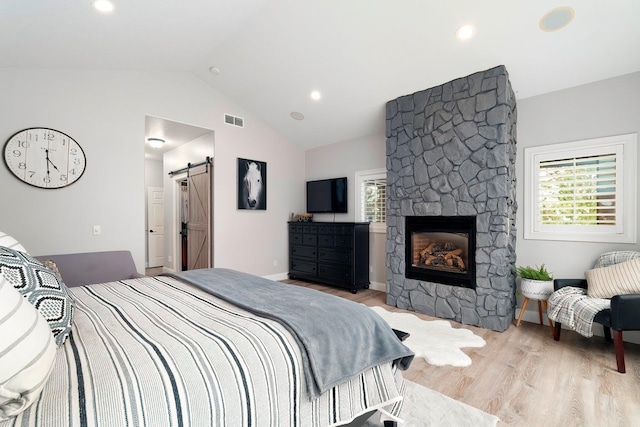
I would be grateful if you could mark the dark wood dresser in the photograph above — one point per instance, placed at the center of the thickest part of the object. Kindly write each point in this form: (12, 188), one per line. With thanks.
(334, 253)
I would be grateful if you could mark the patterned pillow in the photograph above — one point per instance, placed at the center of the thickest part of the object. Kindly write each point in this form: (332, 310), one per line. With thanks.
(618, 279)
(41, 287)
(9, 242)
(615, 257)
(27, 352)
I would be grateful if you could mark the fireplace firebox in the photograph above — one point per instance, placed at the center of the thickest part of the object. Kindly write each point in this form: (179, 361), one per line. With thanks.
(441, 249)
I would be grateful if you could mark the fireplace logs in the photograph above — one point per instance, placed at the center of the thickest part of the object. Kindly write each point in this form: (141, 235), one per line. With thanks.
(445, 255)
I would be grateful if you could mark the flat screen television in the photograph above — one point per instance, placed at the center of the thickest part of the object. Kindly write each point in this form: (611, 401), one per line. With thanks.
(327, 196)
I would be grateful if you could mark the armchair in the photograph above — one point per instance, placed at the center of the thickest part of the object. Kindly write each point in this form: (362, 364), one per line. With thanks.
(624, 315)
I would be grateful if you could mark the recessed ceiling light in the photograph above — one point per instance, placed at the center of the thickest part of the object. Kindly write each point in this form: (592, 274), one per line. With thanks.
(155, 142)
(556, 19)
(295, 115)
(104, 6)
(215, 71)
(316, 95)
(465, 32)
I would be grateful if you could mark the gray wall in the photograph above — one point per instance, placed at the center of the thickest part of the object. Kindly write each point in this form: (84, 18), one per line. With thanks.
(105, 112)
(607, 107)
(345, 159)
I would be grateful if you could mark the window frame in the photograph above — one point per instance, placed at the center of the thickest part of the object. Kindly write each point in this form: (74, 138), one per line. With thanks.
(360, 177)
(624, 146)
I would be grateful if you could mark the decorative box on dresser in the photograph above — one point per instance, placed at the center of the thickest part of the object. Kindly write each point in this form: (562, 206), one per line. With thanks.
(335, 253)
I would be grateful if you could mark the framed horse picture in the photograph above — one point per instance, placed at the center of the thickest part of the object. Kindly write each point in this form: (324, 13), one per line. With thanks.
(252, 184)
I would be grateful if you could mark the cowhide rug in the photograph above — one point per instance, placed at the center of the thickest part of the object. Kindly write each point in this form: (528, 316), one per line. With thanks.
(434, 340)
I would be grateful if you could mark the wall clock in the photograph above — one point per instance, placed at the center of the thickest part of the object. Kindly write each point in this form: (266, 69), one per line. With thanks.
(44, 158)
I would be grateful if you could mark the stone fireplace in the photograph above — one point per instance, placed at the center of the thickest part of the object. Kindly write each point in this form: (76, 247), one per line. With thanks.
(451, 156)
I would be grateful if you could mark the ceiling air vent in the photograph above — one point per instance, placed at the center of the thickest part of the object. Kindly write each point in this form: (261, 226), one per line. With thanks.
(234, 120)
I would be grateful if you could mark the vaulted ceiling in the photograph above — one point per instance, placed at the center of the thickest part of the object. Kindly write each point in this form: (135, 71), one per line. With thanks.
(271, 54)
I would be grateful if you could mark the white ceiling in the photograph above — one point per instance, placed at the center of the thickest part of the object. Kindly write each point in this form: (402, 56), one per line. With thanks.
(173, 133)
(358, 53)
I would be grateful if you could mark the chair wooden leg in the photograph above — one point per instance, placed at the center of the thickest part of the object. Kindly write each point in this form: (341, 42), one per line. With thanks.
(556, 332)
(607, 333)
(618, 345)
(524, 307)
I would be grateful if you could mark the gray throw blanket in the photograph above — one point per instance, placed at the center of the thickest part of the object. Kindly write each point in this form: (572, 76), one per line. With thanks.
(338, 338)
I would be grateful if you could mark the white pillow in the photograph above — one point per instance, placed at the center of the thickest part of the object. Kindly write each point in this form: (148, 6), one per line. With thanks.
(27, 352)
(9, 242)
(617, 279)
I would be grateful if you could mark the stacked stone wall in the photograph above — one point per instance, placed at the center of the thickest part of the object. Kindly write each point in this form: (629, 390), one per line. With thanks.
(451, 151)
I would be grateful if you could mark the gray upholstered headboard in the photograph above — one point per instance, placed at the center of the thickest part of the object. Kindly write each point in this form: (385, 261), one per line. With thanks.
(94, 267)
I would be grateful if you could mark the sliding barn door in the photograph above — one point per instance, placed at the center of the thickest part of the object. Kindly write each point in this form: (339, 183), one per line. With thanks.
(199, 223)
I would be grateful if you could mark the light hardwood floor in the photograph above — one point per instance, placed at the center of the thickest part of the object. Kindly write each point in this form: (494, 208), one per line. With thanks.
(526, 378)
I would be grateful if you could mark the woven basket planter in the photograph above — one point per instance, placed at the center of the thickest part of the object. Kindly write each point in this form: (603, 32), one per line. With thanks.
(536, 289)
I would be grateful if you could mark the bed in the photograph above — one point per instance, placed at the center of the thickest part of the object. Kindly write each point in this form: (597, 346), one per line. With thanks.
(175, 351)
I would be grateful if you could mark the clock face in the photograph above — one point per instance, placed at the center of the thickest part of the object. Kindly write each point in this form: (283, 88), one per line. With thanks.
(44, 158)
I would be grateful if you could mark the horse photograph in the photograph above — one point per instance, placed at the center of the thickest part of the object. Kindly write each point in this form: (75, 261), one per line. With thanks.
(252, 184)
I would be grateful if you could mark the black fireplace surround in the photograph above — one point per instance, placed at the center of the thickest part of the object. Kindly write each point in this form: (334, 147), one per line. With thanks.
(441, 249)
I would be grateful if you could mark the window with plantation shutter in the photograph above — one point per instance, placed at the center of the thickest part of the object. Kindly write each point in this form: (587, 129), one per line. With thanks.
(371, 194)
(582, 191)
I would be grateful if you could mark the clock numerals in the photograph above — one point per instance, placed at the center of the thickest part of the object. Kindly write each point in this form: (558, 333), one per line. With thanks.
(44, 158)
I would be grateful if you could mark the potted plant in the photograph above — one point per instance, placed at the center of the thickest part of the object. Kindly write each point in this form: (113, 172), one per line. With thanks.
(535, 283)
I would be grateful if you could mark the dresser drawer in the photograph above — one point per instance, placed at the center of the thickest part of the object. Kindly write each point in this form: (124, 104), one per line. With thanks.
(337, 274)
(335, 255)
(326, 229)
(307, 252)
(346, 231)
(342, 241)
(309, 239)
(295, 238)
(325, 240)
(304, 266)
(295, 228)
(312, 229)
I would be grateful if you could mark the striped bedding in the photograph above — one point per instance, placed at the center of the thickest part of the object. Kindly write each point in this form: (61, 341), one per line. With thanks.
(157, 352)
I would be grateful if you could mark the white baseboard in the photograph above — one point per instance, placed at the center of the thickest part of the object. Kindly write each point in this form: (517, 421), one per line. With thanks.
(533, 317)
(277, 277)
(377, 286)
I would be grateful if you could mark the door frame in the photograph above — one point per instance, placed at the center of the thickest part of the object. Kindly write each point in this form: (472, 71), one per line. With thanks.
(175, 226)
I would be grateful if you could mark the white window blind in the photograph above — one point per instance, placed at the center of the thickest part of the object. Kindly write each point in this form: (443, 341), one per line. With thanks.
(373, 199)
(578, 191)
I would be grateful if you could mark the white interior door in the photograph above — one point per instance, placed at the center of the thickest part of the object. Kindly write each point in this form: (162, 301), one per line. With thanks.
(155, 222)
